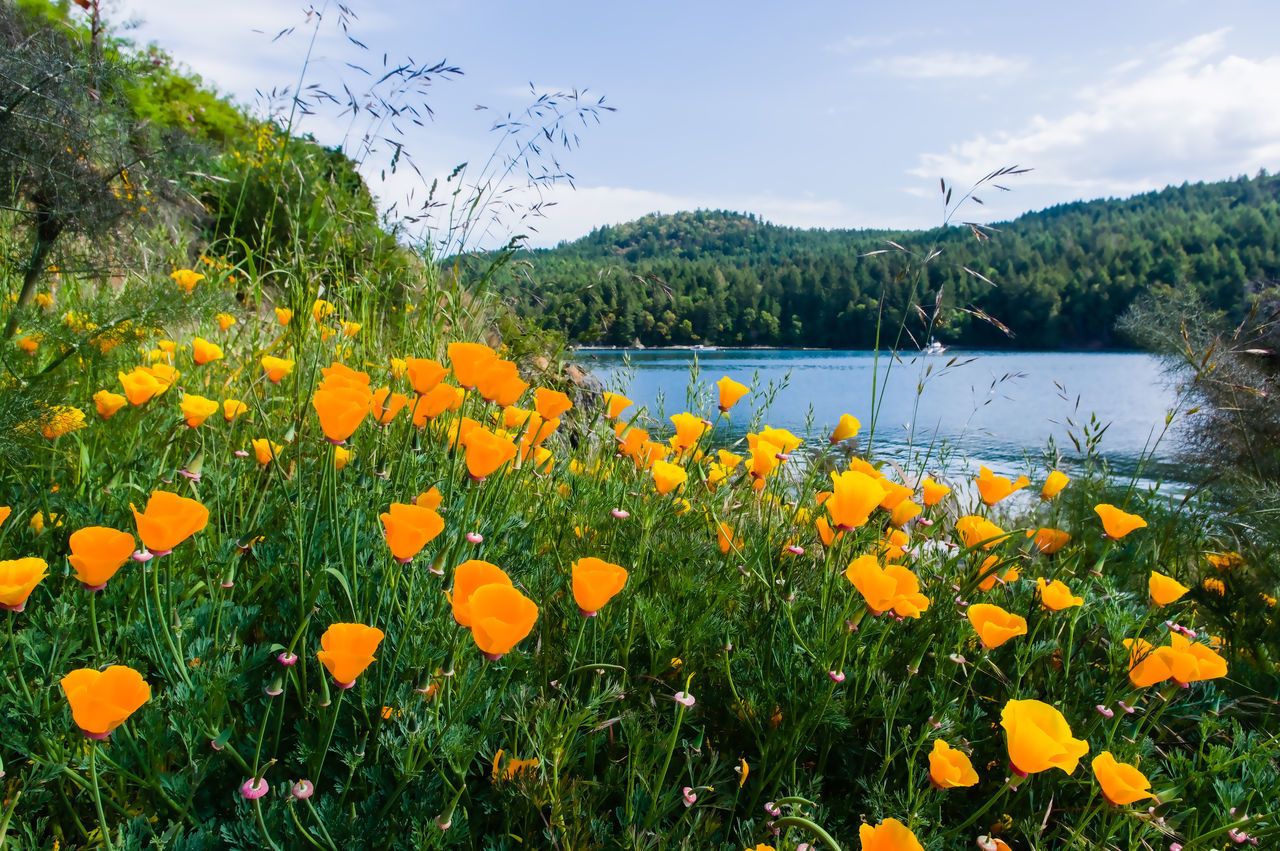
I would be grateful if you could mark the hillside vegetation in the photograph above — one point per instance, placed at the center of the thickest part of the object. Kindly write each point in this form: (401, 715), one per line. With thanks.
(1055, 278)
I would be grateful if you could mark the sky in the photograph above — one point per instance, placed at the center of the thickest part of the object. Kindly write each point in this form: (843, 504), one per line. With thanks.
(813, 113)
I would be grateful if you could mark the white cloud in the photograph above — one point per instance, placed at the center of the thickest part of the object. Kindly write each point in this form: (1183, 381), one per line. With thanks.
(947, 64)
(1197, 112)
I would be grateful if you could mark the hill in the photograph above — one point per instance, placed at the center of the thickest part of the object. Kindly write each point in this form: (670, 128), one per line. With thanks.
(1057, 278)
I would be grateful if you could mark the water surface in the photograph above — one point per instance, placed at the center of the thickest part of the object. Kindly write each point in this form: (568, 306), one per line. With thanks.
(997, 408)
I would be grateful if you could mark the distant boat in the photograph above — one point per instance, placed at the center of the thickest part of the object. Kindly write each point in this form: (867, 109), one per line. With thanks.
(934, 348)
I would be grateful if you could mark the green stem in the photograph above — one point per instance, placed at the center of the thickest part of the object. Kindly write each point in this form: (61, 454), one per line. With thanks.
(97, 796)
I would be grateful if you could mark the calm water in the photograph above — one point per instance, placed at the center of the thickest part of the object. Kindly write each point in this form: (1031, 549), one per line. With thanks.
(989, 407)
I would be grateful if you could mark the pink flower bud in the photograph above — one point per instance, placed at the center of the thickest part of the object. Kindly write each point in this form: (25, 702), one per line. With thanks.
(254, 788)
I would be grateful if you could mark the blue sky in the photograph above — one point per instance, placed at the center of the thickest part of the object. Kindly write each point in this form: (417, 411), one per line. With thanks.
(813, 114)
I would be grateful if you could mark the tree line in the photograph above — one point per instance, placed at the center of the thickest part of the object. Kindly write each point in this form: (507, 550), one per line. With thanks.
(1057, 278)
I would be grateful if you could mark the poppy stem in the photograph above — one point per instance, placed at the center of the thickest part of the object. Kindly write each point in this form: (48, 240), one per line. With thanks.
(806, 824)
(992, 801)
(97, 795)
(93, 620)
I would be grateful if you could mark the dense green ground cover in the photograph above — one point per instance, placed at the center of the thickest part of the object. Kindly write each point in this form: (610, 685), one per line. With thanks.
(739, 665)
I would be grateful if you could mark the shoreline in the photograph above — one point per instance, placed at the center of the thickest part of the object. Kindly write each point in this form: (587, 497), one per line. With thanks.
(901, 353)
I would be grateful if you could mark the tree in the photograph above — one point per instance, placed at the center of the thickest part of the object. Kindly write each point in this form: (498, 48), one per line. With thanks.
(66, 146)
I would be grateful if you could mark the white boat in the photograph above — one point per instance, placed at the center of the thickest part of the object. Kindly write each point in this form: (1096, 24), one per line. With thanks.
(934, 348)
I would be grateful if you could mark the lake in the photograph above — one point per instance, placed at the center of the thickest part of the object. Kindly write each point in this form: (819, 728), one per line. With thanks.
(988, 407)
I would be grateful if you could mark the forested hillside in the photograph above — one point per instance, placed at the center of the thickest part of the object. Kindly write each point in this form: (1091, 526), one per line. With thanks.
(1055, 278)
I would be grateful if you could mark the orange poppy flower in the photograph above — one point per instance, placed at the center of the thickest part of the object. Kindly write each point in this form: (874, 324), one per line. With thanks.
(486, 452)
(990, 577)
(716, 474)
(1121, 784)
(780, 437)
(1049, 541)
(667, 477)
(892, 587)
(854, 496)
(1165, 589)
(103, 700)
(893, 546)
(347, 649)
(385, 405)
(550, 404)
(888, 835)
(994, 488)
(499, 381)
(5, 511)
(276, 368)
(1053, 485)
(424, 374)
(467, 577)
(186, 279)
(724, 536)
(826, 534)
(284, 315)
(1190, 662)
(18, 578)
(1056, 596)
(140, 387)
(764, 457)
(1039, 738)
(232, 408)
(595, 582)
(975, 530)
(430, 498)
(932, 492)
(97, 552)
(994, 625)
(108, 403)
(501, 617)
(341, 409)
(341, 455)
(203, 352)
(197, 409)
(1146, 667)
(350, 329)
(730, 392)
(950, 768)
(903, 513)
(1116, 522)
(225, 321)
(689, 430)
(163, 373)
(321, 309)
(265, 450)
(615, 404)
(408, 528)
(459, 429)
(630, 439)
(862, 465)
(846, 428)
(469, 360)
(338, 375)
(433, 403)
(894, 494)
(168, 520)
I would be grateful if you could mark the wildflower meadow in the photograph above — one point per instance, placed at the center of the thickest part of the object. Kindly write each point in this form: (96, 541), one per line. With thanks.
(297, 574)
